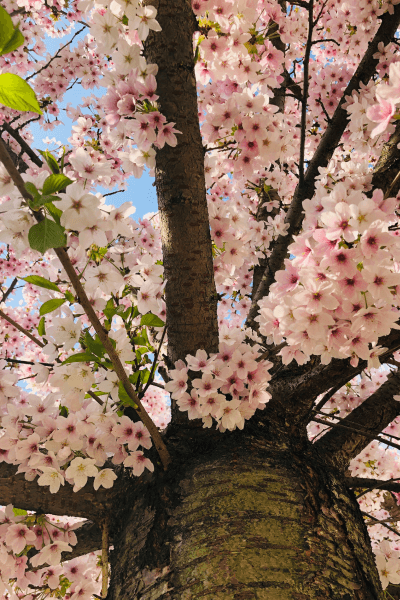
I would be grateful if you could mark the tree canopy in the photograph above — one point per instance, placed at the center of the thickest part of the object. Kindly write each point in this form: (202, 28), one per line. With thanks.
(262, 296)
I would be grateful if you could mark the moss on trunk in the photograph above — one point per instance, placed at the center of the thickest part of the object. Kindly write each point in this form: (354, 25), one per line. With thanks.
(248, 519)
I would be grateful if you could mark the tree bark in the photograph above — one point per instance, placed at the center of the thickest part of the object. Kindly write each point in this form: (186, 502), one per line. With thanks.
(244, 518)
(190, 292)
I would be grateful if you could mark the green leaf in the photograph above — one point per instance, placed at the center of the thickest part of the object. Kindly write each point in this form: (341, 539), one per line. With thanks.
(42, 282)
(69, 297)
(55, 183)
(6, 27)
(51, 305)
(64, 411)
(45, 199)
(139, 341)
(80, 357)
(123, 396)
(41, 328)
(51, 161)
(19, 511)
(110, 309)
(15, 41)
(17, 94)
(134, 377)
(94, 345)
(46, 234)
(54, 211)
(151, 320)
(31, 188)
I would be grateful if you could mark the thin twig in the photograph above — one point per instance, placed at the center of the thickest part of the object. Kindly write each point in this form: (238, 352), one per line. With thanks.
(26, 362)
(95, 397)
(55, 56)
(153, 367)
(104, 558)
(325, 40)
(376, 487)
(327, 397)
(24, 145)
(379, 523)
(21, 329)
(305, 91)
(10, 289)
(361, 432)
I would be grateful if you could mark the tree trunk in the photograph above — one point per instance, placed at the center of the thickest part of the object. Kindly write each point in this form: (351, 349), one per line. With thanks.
(242, 518)
(190, 292)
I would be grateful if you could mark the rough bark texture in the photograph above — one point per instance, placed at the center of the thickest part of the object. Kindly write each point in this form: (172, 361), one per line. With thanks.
(190, 291)
(248, 518)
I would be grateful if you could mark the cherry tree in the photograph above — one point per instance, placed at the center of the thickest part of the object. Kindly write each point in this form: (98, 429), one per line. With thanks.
(204, 401)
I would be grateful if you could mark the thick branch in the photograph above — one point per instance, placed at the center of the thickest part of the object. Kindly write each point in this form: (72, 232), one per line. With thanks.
(28, 495)
(89, 540)
(340, 446)
(296, 389)
(322, 155)
(372, 484)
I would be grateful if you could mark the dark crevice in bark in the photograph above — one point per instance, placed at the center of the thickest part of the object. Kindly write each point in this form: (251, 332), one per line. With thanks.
(248, 519)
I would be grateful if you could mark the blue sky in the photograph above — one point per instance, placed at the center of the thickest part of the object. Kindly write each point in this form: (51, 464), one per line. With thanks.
(140, 192)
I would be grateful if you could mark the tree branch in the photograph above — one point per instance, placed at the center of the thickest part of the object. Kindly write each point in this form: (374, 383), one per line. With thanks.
(372, 484)
(306, 64)
(23, 144)
(21, 329)
(322, 155)
(63, 257)
(9, 290)
(340, 446)
(28, 495)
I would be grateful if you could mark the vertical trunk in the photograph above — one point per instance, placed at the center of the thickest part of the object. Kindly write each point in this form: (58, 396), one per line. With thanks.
(248, 519)
(190, 291)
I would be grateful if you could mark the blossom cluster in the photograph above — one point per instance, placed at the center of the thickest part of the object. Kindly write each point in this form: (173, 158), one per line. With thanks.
(61, 421)
(339, 293)
(46, 538)
(230, 387)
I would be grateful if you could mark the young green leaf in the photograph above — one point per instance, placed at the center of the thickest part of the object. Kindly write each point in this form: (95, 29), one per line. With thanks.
(51, 161)
(41, 327)
(6, 27)
(123, 396)
(42, 282)
(94, 345)
(32, 189)
(15, 41)
(80, 357)
(17, 94)
(69, 297)
(10, 37)
(46, 234)
(19, 512)
(54, 211)
(151, 320)
(51, 305)
(55, 183)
